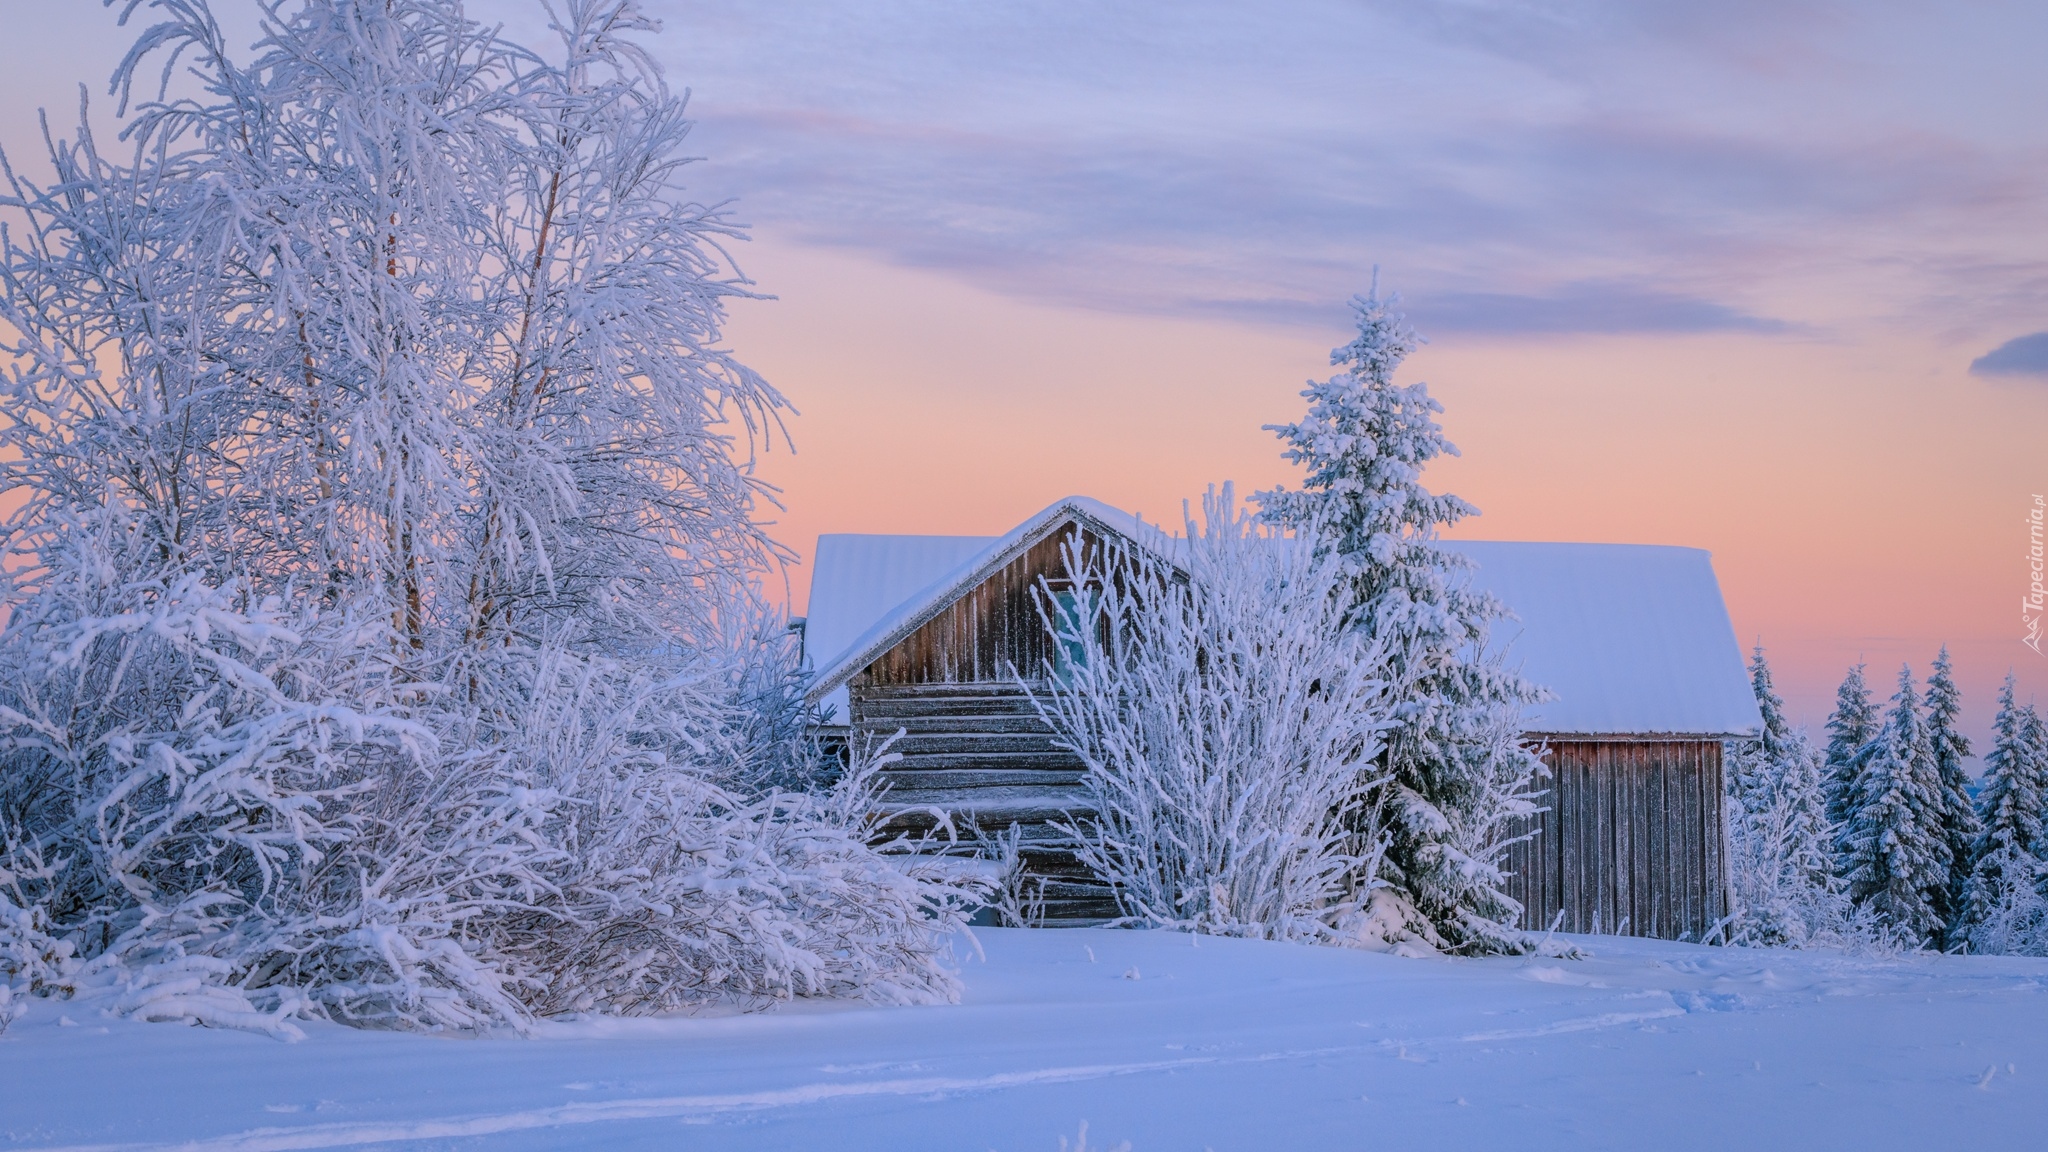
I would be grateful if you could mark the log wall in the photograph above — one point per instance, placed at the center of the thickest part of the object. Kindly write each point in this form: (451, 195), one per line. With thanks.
(980, 752)
(1631, 843)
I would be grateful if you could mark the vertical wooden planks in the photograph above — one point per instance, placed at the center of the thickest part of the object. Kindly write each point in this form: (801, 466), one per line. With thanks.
(1713, 830)
(1632, 839)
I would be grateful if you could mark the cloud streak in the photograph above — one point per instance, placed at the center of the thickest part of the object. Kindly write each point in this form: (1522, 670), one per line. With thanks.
(1524, 168)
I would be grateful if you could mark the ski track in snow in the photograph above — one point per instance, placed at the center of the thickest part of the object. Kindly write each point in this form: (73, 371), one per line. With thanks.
(677, 1107)
(1046, 1036)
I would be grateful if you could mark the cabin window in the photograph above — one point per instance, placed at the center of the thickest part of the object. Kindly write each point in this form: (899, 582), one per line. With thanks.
(1073, 610)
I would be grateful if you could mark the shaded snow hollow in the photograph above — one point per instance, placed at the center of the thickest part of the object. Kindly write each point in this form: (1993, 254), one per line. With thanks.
(1168, 1041)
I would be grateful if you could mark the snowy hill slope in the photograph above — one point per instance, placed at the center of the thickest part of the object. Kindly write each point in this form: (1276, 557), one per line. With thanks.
(1168, 1041)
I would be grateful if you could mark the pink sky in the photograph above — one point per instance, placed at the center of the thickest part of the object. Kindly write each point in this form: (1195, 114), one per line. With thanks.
(1703, 275)
(1862, 499)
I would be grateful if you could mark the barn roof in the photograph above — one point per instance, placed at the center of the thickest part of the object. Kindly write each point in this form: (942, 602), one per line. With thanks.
(1632, 639)
(869, 592)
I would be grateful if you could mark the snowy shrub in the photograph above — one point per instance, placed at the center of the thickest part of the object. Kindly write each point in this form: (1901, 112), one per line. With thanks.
(1231, 728)
(384, 637)
(2009, 916)
(177, 804)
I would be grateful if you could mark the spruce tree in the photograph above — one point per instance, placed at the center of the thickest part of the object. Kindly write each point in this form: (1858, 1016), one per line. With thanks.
(1752, 764)
(1898, 857)
(2010, 844)
(1365, 442)
(1851, 727)
(1780, 841)
(1959, 824)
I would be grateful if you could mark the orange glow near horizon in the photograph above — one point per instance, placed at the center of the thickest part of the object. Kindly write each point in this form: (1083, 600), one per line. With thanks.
(1861, 500)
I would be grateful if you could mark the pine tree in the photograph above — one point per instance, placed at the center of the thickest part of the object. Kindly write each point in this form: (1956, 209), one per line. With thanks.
(1365, 442)
(1851, 727)
(1753, 763)
(1898, 856)
(1781, 843)
(1959, 824)
(2011, 845)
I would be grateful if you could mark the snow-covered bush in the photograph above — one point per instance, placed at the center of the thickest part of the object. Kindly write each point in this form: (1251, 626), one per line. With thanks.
(1458, 764)
(384, 636)
(1231, 726)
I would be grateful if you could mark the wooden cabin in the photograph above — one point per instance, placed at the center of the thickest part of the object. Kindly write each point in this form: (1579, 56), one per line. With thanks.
(927, 633)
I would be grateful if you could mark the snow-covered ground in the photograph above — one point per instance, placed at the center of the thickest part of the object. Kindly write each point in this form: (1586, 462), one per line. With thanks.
(1164, 1040)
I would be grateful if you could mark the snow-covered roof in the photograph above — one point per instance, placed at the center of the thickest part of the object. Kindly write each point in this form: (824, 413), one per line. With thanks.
(1631, 639)
(869, 592)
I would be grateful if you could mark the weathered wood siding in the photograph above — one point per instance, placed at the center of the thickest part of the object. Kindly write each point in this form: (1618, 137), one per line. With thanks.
(980, 753)
(982, 636)
(973, 744)
(1631, 843)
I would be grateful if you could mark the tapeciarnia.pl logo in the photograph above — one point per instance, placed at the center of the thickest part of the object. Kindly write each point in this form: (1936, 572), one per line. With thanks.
(2036, 602)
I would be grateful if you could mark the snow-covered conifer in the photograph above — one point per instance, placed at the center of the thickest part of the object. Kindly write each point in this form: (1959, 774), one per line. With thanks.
(1752, 764)
(1851, 726)
(1958, 814)
(1781, 860)
(1897, 854)
(1365, 442)
(2011, 847)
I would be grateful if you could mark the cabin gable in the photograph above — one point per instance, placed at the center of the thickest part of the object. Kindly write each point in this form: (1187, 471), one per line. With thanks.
(992, 634)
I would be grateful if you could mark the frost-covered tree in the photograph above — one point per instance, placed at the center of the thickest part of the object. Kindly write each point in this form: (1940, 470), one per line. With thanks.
(1752, 764)
(383, 588)
(2007, 858)
(1851, 727)
(1958, 813)
(1232, 730)
(1364, 442)
(1781, 862)
(1897, 853)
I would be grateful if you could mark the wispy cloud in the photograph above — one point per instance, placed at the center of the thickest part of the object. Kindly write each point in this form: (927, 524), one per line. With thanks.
(1536, 166)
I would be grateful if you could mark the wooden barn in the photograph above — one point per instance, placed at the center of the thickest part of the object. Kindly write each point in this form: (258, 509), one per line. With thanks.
(921, 633)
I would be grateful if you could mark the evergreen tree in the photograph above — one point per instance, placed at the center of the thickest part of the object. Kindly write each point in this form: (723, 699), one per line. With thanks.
(1365, 442)
(1752, 764)
(2010, 845)
(1780, 841)
(1959, 824)
(1851, 727)
(1898, 857)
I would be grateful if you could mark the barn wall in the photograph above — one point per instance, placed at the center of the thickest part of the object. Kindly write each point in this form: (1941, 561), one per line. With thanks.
(973, 743)
(1631, 841)
(982, 636)
(980, 752)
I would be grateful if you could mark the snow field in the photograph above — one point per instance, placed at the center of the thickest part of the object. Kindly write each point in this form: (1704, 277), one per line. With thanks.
(1161, 1039)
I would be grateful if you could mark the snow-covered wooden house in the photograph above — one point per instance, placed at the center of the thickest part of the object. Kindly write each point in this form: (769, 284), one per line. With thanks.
(922, 633)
